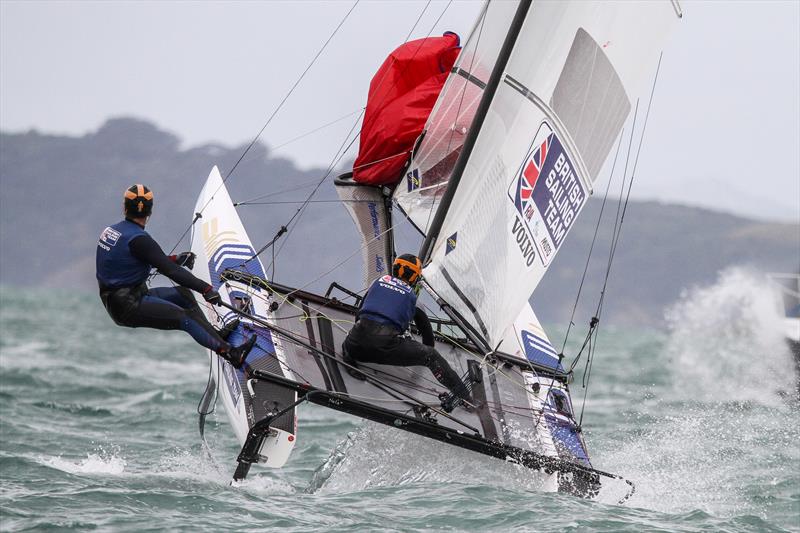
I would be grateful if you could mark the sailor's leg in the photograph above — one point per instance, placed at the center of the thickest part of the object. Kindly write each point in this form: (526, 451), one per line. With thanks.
(182, 297)
(409, 352)
(159, 313)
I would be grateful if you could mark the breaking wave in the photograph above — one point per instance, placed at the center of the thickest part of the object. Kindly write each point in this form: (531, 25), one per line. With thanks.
(725, 428)
(726, 342)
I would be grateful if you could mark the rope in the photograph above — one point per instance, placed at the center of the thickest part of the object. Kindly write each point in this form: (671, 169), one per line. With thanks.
(340, 154)
(269, 120)
(591, 247)
(594, 331)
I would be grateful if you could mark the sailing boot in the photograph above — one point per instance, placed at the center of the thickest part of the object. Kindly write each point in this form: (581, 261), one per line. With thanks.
(225, 331)
(237, 355)
(450, 401)
(459, 393)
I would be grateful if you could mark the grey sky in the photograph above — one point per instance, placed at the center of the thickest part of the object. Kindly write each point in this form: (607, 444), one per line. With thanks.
(724, 131)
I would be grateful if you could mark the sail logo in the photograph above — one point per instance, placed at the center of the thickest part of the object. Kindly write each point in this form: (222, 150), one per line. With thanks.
(452, 240)
(547, 194)
(380, 264)
(413, 180)
(373, 216)
(524, 241)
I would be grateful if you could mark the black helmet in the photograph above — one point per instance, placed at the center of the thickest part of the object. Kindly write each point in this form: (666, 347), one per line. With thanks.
(138, 201)
(407, 267)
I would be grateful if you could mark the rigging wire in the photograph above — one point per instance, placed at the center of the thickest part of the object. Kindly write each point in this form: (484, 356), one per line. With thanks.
(591, 247)
(269, 120)
(304, 185)
(315, 130)
(282, 202)
(302, 209)
(617, 232)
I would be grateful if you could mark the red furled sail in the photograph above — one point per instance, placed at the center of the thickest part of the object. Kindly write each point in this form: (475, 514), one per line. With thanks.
(401, 96)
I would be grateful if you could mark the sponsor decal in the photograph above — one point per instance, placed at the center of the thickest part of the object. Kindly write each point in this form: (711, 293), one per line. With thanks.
(109, 237)
(380, 264)
(451, 243)
(547, 194)
(237, 257)
(413, 180)
(524, 241)
(233, 383)
(395, 284)
(373, 215)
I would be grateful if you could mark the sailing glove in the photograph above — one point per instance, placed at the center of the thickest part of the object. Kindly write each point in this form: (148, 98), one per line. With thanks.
(212, 296)
(185, 259)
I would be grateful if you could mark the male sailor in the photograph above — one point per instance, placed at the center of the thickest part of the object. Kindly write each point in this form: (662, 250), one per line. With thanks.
(385, 314)
(125, 255)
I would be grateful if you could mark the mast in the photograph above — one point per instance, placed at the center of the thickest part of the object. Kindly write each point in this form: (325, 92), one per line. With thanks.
(469, 142)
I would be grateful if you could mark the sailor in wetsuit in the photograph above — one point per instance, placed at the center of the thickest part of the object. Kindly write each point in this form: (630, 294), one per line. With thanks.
(385, 315)
(125, 255)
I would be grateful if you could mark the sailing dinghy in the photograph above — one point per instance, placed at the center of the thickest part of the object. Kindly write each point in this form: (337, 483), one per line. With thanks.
(526, 119)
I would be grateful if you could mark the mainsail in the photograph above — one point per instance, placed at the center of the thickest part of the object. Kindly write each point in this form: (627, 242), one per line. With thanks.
(519, 165)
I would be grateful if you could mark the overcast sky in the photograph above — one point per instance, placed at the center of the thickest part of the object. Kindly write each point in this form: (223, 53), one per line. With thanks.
(724, 131)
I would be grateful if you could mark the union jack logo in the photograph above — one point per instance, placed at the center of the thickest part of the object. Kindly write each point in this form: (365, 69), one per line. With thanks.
(528, 177)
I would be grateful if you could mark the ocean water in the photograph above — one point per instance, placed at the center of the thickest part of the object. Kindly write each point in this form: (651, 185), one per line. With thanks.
(98, 431)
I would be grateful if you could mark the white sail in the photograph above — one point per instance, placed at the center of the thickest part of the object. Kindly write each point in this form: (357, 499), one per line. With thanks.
(451, 117)
(570, 74)
(221, 244)
(527, 339)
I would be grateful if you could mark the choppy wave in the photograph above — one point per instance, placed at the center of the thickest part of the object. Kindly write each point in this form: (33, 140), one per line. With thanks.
(92, 464)
(99, 430)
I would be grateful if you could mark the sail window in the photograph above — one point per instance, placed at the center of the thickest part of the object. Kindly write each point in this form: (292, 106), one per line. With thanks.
(590, 100)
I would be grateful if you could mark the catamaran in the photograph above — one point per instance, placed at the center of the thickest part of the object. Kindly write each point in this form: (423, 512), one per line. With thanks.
(523, 119)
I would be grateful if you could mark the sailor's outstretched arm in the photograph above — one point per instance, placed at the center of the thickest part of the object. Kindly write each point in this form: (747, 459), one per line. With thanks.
(146, 249)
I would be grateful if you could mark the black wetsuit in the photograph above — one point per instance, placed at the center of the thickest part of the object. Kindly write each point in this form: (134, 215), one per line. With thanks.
(125, 255)
(377, 336)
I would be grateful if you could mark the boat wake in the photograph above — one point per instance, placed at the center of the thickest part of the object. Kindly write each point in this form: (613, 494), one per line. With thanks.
(375, 456)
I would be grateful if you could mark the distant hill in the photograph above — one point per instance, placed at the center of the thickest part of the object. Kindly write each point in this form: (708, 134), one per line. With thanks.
(57, 193)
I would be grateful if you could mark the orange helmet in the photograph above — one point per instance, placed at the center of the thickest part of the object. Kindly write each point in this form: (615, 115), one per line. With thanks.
(407, 267)
(138, 201)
